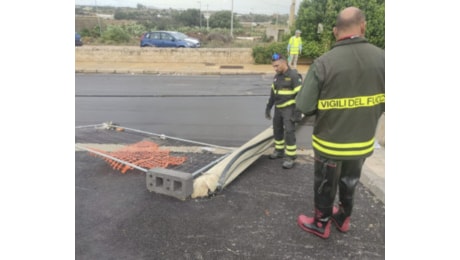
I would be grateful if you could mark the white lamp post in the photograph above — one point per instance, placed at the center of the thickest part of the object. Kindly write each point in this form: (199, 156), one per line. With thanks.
(207, 15)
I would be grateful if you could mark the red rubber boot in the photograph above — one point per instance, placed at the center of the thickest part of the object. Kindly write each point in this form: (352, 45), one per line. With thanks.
(315, 225)
(341, 221)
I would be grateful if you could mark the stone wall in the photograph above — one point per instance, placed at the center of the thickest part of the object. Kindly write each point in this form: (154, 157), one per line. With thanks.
(133, 54)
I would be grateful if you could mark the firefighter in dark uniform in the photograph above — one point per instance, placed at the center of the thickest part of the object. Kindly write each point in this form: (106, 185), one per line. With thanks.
(345, 90)
(286, 84)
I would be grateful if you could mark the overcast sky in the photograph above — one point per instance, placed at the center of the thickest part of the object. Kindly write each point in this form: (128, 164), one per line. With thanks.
(239, 6)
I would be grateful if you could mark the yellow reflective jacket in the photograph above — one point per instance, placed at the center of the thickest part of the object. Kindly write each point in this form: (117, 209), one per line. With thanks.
(295, 45)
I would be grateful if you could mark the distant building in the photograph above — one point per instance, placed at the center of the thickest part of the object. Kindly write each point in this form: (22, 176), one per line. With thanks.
(106, 16)
(276, 32)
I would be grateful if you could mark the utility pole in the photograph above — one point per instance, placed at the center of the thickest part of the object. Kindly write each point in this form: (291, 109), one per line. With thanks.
(207, 15)
(200, 13)
(292, 14)
(252, 19)
(98, 21)
(231, 22)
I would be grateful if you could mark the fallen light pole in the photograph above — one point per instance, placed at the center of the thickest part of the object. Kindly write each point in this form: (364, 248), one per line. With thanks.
(218, 165)
(221, 174)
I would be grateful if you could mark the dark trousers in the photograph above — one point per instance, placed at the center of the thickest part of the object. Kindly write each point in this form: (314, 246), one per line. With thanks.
(284, 131)
(332, 174)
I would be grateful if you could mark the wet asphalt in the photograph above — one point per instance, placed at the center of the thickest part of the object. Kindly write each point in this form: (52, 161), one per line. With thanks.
(254, 217)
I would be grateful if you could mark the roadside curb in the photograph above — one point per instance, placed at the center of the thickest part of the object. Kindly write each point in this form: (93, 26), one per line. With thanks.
(373, 174)
(374, 183)
(158, 72)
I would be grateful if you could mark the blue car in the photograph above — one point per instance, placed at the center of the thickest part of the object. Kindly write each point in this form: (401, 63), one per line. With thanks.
(78, 41)
(168, 39)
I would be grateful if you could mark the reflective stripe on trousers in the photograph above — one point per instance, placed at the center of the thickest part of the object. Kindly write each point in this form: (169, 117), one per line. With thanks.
(284, 130)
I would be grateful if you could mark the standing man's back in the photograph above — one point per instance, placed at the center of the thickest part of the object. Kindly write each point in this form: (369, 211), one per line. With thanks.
(345, 90)
(352, 96)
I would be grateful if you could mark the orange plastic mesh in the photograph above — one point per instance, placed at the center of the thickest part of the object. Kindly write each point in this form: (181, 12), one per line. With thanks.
(145, 154)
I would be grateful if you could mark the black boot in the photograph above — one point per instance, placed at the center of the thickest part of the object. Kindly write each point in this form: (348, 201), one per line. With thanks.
(341, 220)
(277, 154)
(288, 162)
(349, 178)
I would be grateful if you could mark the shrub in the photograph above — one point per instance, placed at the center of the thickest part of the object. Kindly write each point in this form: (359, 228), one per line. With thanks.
(262, 54)
(311, 50)
(115, 34)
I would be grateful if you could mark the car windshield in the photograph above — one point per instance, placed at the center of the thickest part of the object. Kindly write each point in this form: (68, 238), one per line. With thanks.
(179, 35)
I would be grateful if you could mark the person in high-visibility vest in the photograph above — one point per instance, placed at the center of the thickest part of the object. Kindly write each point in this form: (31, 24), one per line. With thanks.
(294, 49)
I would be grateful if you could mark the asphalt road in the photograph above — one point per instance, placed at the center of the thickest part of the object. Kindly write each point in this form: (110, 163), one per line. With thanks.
(222, 110)
(254, 217)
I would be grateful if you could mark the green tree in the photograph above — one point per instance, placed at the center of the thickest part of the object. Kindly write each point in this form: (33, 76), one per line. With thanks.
(222, 19)
(189, 17)
(312, 13)
(375, 17)
(121, 15)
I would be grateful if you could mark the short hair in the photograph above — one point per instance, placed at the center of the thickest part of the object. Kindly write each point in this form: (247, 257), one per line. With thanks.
(277, 56)
(347, 22)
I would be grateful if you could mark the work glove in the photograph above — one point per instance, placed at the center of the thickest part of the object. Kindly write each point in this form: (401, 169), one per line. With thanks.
(296, 116)
(267, 113)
